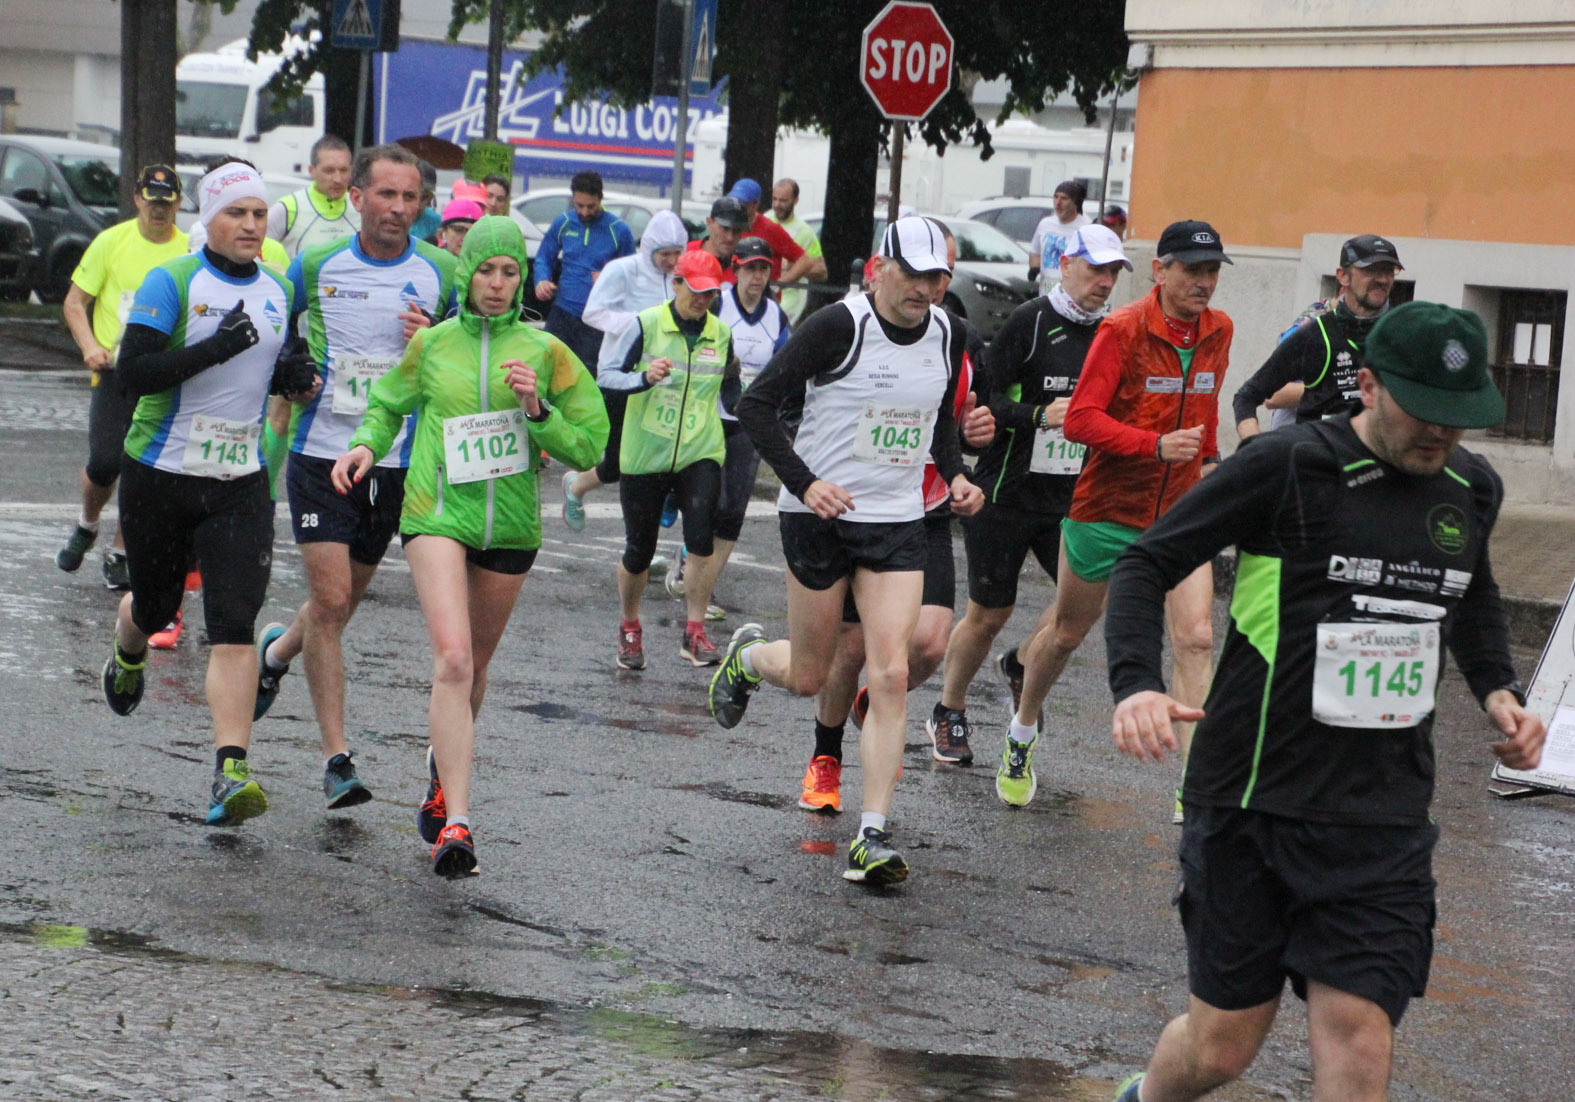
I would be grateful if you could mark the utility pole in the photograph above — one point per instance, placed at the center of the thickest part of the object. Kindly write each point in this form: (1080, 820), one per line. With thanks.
(147, 91)
(494, 70)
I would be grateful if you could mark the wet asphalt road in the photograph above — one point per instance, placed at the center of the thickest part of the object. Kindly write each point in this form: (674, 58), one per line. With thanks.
(655, 917)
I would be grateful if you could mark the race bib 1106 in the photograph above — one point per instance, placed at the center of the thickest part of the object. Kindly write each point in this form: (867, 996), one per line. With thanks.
(1055, 454)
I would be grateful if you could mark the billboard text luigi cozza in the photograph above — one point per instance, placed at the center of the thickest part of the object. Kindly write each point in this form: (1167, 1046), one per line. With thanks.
(439, 88)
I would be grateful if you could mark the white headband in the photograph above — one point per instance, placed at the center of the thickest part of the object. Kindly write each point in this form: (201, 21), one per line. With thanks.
(224, 185)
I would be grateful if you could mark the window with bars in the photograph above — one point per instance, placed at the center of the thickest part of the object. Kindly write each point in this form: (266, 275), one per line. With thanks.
(1526, 368)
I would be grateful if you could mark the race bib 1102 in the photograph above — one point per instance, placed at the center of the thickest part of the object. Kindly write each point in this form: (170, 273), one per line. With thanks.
(479, 446)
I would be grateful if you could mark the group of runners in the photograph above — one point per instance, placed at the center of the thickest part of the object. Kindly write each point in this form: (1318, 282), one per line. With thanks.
(420, 403)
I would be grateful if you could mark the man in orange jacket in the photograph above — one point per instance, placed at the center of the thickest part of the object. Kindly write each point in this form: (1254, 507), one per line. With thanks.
(1147, 406)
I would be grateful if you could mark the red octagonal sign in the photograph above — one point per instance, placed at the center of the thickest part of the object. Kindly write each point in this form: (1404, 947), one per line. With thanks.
(906, 62)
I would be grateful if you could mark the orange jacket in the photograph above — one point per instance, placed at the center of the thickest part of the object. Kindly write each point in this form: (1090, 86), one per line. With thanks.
(1130, 393)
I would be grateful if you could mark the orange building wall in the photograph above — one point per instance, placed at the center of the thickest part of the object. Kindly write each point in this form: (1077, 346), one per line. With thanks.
(1268, 155)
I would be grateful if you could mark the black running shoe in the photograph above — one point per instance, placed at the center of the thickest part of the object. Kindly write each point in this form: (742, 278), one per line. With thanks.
(69, 558)
(117, 574)
(873, 861)
(732, 685)
(341, 787)
(948, 731)
(432, 816)
(267, 677)
(123, 681)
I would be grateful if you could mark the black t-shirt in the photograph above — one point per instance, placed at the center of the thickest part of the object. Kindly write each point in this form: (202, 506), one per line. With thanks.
(1036, 358)
(1325, 354)
(1350, 573)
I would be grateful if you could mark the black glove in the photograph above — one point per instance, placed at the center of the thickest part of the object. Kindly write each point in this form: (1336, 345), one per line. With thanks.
(235, 334)
(295, 370)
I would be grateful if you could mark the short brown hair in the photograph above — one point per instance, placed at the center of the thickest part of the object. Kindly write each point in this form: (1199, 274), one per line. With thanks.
(361, 171)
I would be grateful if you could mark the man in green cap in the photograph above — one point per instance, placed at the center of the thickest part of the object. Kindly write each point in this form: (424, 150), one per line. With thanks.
(1307, 848)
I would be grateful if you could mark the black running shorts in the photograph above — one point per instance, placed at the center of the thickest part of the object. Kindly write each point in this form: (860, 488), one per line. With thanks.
(499, 560)
(822, 552)
(940, 571)
(998, 540)
(1264, 899)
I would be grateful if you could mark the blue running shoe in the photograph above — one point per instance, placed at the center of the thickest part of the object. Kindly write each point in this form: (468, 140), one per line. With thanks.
(432, 816)
(573, 507)
(670, 510)
(267, 678)
(236, 795)
(341, 787)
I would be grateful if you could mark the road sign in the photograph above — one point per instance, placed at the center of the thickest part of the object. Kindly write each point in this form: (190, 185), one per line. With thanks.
(702, 38)
(906, 60)
(357, 24)
(1552, 697)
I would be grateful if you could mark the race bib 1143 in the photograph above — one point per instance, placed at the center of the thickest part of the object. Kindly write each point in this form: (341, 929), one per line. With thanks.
(217, 448)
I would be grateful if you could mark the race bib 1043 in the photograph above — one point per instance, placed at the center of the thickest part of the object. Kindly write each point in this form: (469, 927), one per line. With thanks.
(1055, 454)
(1375, 675)
(892, 435)
(479, 446)
(353, 379)
(217, 448)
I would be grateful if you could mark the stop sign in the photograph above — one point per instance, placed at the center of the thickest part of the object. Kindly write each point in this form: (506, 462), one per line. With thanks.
(906, 62)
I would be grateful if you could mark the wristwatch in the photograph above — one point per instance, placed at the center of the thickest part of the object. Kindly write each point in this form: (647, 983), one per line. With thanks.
(545, 410)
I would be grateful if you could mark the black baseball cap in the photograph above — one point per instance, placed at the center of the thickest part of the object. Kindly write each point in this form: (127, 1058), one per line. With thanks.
(1367, 250)
(1192, 242)
(1433, 360)
(730, 214)
(159, 184)
(750, 250)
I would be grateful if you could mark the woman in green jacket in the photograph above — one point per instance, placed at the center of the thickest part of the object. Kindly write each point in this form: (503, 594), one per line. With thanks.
(491, 394)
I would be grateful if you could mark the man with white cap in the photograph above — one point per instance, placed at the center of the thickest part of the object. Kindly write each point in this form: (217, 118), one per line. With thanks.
(199, 352)
(1028, 472)
(876, 376)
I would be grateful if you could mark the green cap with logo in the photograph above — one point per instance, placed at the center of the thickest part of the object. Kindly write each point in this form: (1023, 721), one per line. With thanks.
(1433, 359)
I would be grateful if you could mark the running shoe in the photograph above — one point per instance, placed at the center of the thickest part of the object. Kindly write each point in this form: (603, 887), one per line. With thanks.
(117, 575)
(631, 653)
(193, 580)
(714, 613)
(69, 558)
(1178, 817)
(454, 852)
(1015, 781)
(861, 706)
(873, 861)
(948, 731)
(822, 786)
(236, 795)
(670, 510)
(432, 816)
(166, 639)
(267, 677)
(698, 650)
(660, 564)
(123, 681)
(573, 507)
(733, 685)
(1128, 1090)
(341, 787)
(675, 577)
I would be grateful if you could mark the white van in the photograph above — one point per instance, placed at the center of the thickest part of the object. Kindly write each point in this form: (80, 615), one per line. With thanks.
(221, 108)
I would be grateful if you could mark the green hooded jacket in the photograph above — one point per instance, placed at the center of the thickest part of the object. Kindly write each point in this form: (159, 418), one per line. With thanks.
(454, 371)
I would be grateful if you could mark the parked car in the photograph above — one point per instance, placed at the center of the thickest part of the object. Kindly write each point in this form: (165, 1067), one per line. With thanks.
(18, 255)
(1016, 218)
(535, 210)
(990, 279)
(69, 191)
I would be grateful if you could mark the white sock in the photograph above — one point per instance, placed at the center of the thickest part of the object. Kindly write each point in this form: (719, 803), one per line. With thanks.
(271, 661)
(458, 820)
(1022, 732)
(869, 819)
(89, 525)
(747, 660)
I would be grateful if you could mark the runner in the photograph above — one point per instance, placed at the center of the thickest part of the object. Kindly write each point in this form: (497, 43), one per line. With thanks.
(363, 298)
(626, 286)
(852, 504)
(485, 387)
(1307, 848)
(1146, 406)
(760, 329)
(192, 481)
(319, 212)
(106, 280)
(678, 372)
(1027, 474)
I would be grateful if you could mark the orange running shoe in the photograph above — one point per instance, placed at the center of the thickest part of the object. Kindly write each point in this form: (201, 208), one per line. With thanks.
(822, 786)
(454, 853)
(193, 580)
(166, 639)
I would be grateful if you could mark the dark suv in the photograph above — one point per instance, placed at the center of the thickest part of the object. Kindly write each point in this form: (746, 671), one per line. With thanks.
(18, 257)
(69, 191)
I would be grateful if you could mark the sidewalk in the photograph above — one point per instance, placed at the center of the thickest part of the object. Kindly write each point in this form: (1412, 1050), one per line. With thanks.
(36, 344)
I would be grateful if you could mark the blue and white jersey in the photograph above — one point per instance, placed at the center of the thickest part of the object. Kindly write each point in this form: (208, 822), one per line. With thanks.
(352, 305)
(757, 336)
(1051, 237)
(210, 425)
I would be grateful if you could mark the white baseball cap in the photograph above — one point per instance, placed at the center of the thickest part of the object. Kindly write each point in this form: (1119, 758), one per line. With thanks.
(1098, 245)
(916, 244)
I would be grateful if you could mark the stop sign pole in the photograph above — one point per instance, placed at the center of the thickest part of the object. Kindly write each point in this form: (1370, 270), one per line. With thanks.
(905, 64)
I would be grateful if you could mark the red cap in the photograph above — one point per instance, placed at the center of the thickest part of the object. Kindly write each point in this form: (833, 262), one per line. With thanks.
(699, 270)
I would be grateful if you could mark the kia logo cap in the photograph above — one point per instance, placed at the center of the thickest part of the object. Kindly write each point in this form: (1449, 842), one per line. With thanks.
(1192, 242)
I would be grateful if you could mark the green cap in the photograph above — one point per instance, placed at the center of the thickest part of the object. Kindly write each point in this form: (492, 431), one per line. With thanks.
(1433, 359)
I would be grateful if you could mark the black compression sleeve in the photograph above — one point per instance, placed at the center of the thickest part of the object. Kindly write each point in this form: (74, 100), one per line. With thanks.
(819, 345)
(1477, 633)
(146, 366)
(1008, 357)
(1286, 364)
(946, 445)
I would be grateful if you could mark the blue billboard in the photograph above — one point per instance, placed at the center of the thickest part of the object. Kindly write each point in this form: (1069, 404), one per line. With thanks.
(439, 88)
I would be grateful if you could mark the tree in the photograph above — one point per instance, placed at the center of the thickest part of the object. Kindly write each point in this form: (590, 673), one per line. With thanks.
(273, 23)
(147, 91)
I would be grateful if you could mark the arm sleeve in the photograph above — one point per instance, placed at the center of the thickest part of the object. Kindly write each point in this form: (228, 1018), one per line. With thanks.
(1007, 355)
(298, 281)
(1086, 419)
(545, 266)
(628, 376)
(1233, 505)
(624, 237)
(575, 431)
(147, 365)
(391, 399)
(946, 444)
(278, 221)
(1284, 365)
(821, 343)
(604, 306)
(1477, 634)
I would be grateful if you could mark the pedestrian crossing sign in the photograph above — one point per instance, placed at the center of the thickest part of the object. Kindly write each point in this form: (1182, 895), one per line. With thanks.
(357, 24)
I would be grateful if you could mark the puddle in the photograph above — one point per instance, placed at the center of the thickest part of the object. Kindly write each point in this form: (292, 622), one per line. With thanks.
(719, 791)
